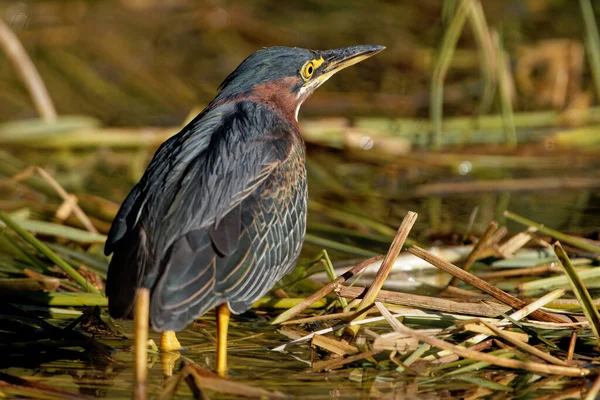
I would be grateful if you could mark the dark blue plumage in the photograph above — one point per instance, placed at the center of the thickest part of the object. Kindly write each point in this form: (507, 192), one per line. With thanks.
(220, 213)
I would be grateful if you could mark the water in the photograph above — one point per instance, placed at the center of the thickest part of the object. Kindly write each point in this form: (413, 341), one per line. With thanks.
(249, 360)
(377, 195)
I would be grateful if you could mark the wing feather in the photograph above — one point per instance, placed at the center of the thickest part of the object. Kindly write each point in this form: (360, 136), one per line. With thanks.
(192, 205)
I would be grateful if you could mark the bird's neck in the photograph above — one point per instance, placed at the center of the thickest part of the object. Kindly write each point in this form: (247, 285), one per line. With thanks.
(278, 95)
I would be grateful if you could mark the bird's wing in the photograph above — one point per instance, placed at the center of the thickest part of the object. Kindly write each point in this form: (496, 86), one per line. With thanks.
(165, 170)
(241, 154)
(192, 190)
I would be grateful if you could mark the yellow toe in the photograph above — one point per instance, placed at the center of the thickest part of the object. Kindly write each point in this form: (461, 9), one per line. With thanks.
(169, 342)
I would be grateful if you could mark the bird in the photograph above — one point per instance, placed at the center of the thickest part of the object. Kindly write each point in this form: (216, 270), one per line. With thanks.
(219, 215)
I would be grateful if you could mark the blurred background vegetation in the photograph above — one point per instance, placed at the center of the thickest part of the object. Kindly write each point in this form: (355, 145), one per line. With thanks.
(149, 62)
(505, 88)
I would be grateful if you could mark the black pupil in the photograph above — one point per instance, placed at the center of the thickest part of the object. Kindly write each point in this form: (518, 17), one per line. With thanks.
(310, 69)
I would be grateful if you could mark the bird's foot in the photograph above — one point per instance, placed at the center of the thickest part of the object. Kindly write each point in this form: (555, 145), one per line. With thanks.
(168, 352)
(169, 342)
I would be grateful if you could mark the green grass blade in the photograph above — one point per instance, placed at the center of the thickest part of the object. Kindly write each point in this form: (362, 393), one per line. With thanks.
(42, 248)
(62, 231)
(592, 41)
(331, 274)
(441, 68)
(59, 299)
(485, 383)
(333, 245)
(591, 276)
(573, 241)
(504, 85)
(582, 294)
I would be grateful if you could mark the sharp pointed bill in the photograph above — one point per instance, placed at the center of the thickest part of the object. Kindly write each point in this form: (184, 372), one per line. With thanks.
(331, 62)
(336, 60)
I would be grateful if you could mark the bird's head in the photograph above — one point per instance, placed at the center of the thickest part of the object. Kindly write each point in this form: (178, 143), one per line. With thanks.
(283, 77)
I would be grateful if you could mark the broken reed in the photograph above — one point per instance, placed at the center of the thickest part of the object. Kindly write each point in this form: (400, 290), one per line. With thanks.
(386, 266)
(557, 366)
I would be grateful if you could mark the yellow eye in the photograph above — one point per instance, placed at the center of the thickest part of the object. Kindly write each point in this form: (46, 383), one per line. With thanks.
(307, 70)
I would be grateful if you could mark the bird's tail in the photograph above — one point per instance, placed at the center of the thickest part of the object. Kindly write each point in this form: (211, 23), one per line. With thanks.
(125, 275)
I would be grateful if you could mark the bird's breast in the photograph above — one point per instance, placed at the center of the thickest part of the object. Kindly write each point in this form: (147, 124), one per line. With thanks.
(289, 178)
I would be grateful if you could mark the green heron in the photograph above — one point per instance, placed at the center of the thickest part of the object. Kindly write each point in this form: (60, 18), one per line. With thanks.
(219, 216)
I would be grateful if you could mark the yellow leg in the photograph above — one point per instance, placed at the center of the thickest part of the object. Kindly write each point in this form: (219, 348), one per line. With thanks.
(169, 342)
(223, 314)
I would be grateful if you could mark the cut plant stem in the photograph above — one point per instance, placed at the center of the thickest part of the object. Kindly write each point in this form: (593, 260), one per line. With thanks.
(324, 291)
(43, 278)
(484, 309)
(481, 284)
(572, 344)
(331, 273)
(67, 197)
(483, 242)
(524, 346)
(573, 241)
(391, 256)
(333, 346)
(141, 317)
(475, 355)
(529, 271)
(508, 248)
(516, 316)
(335, 328)
(29, 284)
(581, 292)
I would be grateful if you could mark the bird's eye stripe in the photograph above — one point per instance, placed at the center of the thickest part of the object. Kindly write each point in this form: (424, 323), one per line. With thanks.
(317, 62)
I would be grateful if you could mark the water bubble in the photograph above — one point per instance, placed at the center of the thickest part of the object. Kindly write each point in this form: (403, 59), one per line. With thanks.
(550, 144)
(219, 18)
(366, 143)
(465, 167)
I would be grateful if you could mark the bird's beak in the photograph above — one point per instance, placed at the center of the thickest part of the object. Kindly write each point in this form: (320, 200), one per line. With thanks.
(338, 59)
